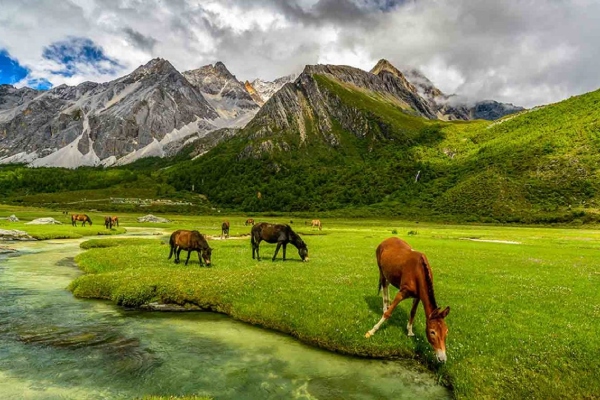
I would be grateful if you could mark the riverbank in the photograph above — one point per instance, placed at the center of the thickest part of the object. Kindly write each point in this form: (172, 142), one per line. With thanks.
(57, 346)
(522, 317)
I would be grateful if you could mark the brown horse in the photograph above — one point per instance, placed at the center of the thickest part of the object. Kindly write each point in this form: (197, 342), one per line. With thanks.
(409, 271)
(80, 217)
(190, 241)
(280, 234)
(109, 222)
(316, 223)
(225, 229)
(249, 221)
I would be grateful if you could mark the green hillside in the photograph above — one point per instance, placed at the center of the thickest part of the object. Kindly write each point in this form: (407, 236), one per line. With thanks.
(538, 166)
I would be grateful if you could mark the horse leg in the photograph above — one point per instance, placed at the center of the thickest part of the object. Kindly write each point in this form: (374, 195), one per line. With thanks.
(284, 246)
(385, 295)
(413, 311)
(177, 260)
(402, 294)
(276, 250)
(200, 259)
(188, 257)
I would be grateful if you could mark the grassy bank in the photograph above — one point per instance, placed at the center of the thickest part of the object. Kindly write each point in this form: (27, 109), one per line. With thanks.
(522, 320)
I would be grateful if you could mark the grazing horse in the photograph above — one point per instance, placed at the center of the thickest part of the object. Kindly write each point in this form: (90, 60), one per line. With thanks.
(316, 223)
(280, 234)
(225, 229)
(190, 241)
(109, 222)
(409, 271)
(249, 221)
(80, 217)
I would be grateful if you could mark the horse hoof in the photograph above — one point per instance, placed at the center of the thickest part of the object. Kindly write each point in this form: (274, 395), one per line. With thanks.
(410, 334)
(368, 335)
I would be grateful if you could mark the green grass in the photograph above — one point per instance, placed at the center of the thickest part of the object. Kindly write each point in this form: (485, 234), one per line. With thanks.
(524, 316)
(64, 231)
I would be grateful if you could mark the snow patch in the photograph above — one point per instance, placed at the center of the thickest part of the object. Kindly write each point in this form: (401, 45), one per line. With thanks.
(69, 157)
(18, 158)
(153, 149)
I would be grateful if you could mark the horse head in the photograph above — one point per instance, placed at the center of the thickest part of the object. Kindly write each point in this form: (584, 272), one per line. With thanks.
(206, 253)
(302, 249)
(437, 332)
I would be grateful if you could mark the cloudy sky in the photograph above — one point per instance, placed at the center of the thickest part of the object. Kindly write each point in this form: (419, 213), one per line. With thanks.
(526, 52)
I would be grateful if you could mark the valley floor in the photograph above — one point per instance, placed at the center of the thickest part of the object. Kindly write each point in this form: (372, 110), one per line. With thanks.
(524, 300)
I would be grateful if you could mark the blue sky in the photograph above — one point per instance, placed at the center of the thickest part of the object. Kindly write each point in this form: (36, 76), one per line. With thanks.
(68, 58)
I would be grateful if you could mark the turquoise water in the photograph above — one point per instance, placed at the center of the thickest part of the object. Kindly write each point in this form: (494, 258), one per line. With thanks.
(54, 346)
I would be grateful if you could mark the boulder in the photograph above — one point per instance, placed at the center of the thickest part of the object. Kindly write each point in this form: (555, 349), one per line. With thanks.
(12, 218)
(44, 221)
(6, 250)
(152, 218)
(13, 234)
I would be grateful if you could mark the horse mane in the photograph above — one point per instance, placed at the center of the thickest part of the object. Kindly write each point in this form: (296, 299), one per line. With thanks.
(428, 281)
(295, 238)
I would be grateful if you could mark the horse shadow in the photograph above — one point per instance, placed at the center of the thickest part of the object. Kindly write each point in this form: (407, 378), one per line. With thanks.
(398, 318)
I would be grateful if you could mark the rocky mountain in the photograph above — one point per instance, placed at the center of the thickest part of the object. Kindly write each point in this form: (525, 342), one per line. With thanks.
(266, 89)
(139, 115)
(224, 93)
(453, 107)
(157, 111)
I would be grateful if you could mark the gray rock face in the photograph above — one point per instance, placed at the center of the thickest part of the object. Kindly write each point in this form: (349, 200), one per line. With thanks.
(266, 89)
(223, 91)
(12, 218)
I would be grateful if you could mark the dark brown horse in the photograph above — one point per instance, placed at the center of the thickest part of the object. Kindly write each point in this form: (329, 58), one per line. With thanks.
(109, 222)
(249, 221)
(225, 229)
(190, 241)
(409, 271)
(80, 217)
(280, 234)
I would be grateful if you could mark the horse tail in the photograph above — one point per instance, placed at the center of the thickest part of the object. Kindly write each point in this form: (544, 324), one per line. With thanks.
(171, 245)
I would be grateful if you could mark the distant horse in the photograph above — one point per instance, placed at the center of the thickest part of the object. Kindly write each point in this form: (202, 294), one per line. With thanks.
(249, 221)
(109, 222)
(280, 234)
(225, 229)
(80, 217)
(316, 223)
(409, 271)
(190, 241)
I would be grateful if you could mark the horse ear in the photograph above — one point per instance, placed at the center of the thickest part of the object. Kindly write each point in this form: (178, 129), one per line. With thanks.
(444, 313)
(434, 314)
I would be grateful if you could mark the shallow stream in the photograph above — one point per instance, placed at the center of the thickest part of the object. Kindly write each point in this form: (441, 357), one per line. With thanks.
(53, 345)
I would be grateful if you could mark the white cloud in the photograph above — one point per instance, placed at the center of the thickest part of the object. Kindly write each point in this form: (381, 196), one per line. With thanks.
(526, 53)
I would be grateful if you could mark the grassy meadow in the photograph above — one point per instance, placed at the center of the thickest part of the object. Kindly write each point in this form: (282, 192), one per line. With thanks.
(523, 321)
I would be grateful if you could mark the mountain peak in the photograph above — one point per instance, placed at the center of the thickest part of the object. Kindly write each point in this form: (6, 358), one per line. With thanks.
(384, 65)
(155, 66)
